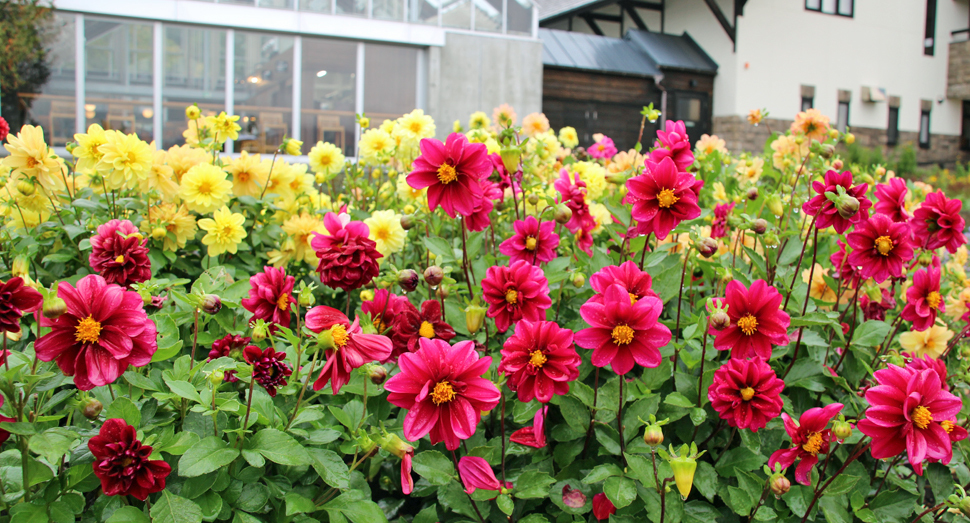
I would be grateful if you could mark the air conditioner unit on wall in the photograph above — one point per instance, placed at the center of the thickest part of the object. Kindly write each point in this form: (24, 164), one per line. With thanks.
(873, 94)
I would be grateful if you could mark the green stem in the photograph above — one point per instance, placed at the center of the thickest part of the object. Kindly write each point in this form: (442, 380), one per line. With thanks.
(309, 376)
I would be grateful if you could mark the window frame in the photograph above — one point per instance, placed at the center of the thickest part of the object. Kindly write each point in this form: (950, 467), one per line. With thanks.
(929, 35)
(892, 127)
(839, 124)
(837, 12)
(810, 100)
(919, 137)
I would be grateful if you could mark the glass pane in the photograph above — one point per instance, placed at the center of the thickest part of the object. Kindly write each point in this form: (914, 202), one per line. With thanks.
(845, 7)
(278, 4)
(423, 11)
(807, 103)
(456, 13)
(329, 93)
(924, 128)
(842, 120)
(828, 6)
(488, 15)
(352, 7)
(195, 72)
(317, 6)
(389, 100)
(389, 9)
(813, 4)
(237, 2)
(49, 101)
(263, 90)
(520, 16)
(118, 75)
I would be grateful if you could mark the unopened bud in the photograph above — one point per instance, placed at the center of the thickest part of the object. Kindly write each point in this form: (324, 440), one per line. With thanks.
(260, 330)
(305, 297)
(720, 320)
(25, 187)
(159, 233)
(91, 408)
(54, 307)
(833, 133)
(368, 294)
(683, 468)
(364, 122)
(216, 377)
(752, 193)
(510, 158)
(849, 138)
(70, 146)
(533, 199)
(707, 246)
(578, 280)
(880, 171)
(211, 304)
(434, 275)
(847, 206)
(759, 226)
(21, 266)
(397, 446)
(377, 374)
(563, 214)
(193, 112)
(408, 279)
(474, 317)
(775, 205)
(408, 222)
(770, 239)
(653, 435)
(841, 429)
(779, 485)
(837, 165)
(443, 292)
(827, 150)
(291, 147)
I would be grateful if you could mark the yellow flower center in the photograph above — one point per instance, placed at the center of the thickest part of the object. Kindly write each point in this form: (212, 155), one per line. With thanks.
(382, 233)
(884, 245)
(814, 443)
(227, 231)
(380, 326)
(633, 298)
(442, 393)
(748, 324)
(416, 127)
(339, 333)
(512, 296)
(447, 173)
(426, 330)
(933, 298)
(32, 162)
(537, 359)
(947, 426)
(530, 243)
(666, 198)
(88, 330)
(921, 416)
(622, 335)
(283, 303)
(204, 188)
(747, 393)
(120, 259)
(242, 177)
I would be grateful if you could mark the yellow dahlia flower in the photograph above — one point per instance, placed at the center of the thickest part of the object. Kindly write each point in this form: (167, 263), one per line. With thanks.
(181, 158)
(386, 231)
(248, 173)
(568, 137)
(30, 157)
(374, 144)
(535, 124)
(326, 158)
(88, 151)
(224, 126)
(414, 126)
(175, 219)
(932, 341)
(160, 178)
(300, 229)
(479, 120)
(125, 160)
(224, 231)
(205, 188)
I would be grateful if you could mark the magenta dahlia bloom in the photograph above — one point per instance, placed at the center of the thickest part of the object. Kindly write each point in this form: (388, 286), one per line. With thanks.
(119, 254)
(386, 311)
(846, 213)
(515, 292)
(451, 171)
(426, 323)
(348, 258)
(16, 299)
(622, 333)
(122, 463)
(605, 148)
(232, 346)
(843, 270)
(892, 200)
(673, 143)
(876, 310)
(352, 348)
(573, 192)
(539, 360)
(757, 321)
(919, 363)
(809, 438)
(638, 284)
(907, 411)
(923, 299)
(476, 473)
(104, 330)
(662, 197)
(746, 393)
(443, 390)
(534, 436)
(533, 242)
(270, 297)
(480, 219)
(938, 223)
(719, 227)
(880, 247)
(269, 369)
(4, 129)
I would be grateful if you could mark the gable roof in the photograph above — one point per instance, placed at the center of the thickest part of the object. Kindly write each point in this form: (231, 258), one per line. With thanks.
(672, 51)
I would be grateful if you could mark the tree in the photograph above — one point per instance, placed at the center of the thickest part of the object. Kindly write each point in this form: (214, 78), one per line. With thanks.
(24, 33)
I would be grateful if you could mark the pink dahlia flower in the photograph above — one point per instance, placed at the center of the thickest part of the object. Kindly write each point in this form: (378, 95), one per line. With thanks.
(923, 299)
(515, 292)
(4, 129)
(809, 438)
(270, 297)
(844, 215)
(638, 284)
(427, 323)
(451, 171)
(757, 321)
(386, 311)
(16, 299)
(476, 474)
(605, 148)
(892, 200)
(622, 333)
(534, 436)
(938, 223)
(443, 390)
(348, 258)
(533, 242)
(480, 218)
(351, 347)
(269, 369)
(746, 393)
(104, 330)
(908, 410)
(573, 191)
(539, 360)
(880, 247)
(119, 254)
(719, 227)
(662, 197)
(673, 143)
(919, 363)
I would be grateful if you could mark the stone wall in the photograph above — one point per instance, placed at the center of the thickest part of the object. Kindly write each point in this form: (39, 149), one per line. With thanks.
(958, 71)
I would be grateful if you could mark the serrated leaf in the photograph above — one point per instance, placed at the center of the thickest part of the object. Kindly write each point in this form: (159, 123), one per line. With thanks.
(279, 447)
(124, 408)
(621, 491)
(169, 508)
(601, 472)
(533, 484)
(128, 514)
(434, 467)
(330, 467)
(207, 455)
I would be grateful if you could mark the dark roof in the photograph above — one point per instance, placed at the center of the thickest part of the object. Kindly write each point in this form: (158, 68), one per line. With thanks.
(594, 53)
(672, 52)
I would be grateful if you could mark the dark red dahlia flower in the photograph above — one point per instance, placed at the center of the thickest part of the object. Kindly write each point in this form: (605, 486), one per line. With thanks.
(269, 369)
(880, 247)
(122, 463)
(514, 292)
(104, 330)
(231, 345)
(892, 200)
(907, 412)
(386, 311)
(637, 283)
(16, 299)
(938, 223)
(428, 323)
(719, 227)
(746, 393)
(443, 390)
(876, 310)
(348, 258)
(271, 297)
(4, 129)
(757, 321)
(673, 143)
(662, 197)
(539, 360)
(623, 333)
(533, 242)
(451, 171)
(852, 207)
(809, 438)
(352, 348)
(119, 254)
(923, 299)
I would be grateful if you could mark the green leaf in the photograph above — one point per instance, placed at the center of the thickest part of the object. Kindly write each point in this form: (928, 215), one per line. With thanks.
(678, 400)
(533, 484)
(870, 333)
(815, 319)
(184, 389)
(124, 408)
(279, 448)
(739, 459)
(330, 467)
(700, 512)
(54, 443)
(534, 518)
(210, 454)
(739, 501)
(128, 514)
(841, 484)
(601, 472)
(434, 467)
(835, 512)
(28, 513)
(297, 504)
(893, 507)
(505, 504)
(621, 491)
(169, 508)
(356, 508)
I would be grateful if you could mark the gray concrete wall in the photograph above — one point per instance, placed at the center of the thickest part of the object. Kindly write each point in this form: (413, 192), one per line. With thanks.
(478, 73)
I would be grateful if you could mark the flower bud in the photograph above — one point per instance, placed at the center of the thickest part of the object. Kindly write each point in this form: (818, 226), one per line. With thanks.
(847, 206)
(325, 339)
(533, 199)
(408, 222)
(395, 445)
(759, 226)
(827, 151)
(573, 498)
(193, 112)
(849, 138)
(211, 304)
(70, 146)
(578, 280)
(841, 429)
(720, 320)
(683, 467)
(408, 279)
(833, 133)
(159, 233)
(443, 292)
(752, 193)
(91, 408)
(291, 147)
(21, 266)
(474, 317)
(707, 246)
(377, 374)
(779, 485)
(260, 330)
(510, 157)
(364, 122)
(25, 187)
(653, 435)
(563, 214)
(305, 297)
(775, 205)
(216, 377)
(434, 275)
(837, 165)
(880, 171)
(54, 307)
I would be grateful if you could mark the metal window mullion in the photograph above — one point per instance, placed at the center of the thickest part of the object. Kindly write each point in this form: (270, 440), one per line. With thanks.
(359, 104)
(505, 16)
(471, 7)
(535, 20)
(157, 77)
(230, 76)
(440, 21)
(421, 90)
(297, 85)
(79, 112)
